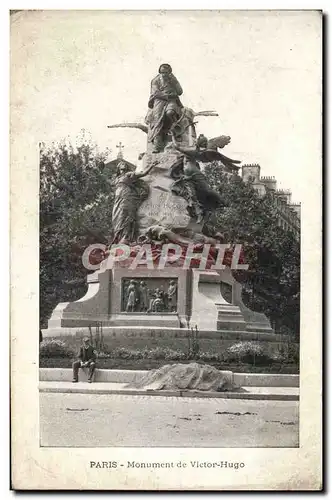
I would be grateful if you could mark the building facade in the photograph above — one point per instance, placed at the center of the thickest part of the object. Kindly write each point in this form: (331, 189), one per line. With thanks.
(289, 213)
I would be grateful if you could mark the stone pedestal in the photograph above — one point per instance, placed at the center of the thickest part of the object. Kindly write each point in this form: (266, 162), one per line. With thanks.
(255, 322)
(90, 309)
(104, 301)
(210, 311)
(162, 207)
(199, 302)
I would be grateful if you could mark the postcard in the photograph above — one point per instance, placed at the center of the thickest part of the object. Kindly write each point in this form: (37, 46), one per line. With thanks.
(166, 223)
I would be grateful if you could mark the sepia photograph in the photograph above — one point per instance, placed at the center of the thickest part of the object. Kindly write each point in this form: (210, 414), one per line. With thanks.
(170, 197)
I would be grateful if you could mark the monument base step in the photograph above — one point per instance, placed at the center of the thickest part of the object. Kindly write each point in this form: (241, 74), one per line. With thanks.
(137, 331)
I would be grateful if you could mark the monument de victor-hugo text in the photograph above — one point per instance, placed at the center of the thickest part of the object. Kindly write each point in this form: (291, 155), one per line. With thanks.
(166, 267)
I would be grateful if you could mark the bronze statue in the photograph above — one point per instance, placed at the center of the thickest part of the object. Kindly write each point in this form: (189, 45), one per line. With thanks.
(188, 112)
(183, 128)
(169, 123)
(158, 303)
(190, 181)
(164, 106)
(143, 296)
(130, 191)
(160, 233)
(172, 296)
(218, 142)
(163, 296)
(132, 297)
(206, 150)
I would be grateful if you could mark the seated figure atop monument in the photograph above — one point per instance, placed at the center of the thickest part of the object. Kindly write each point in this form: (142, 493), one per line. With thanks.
(165, 107)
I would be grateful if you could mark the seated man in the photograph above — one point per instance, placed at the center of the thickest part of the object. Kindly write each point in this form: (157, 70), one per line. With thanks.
(86, 358)
(165, 107)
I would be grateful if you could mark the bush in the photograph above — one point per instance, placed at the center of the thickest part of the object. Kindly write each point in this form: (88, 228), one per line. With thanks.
(148, 353)
(289, 353)
(208, 356)
(248, 352)
(175, 355)
(54, 348)
(160, 353)
(103, 354)
(124, 353)
(293, 353)
(154, 353)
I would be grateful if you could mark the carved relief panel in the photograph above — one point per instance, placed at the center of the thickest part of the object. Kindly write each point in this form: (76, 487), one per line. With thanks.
(149, 295)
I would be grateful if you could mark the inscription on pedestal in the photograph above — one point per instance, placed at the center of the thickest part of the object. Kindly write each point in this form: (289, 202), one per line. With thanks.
(151, 295)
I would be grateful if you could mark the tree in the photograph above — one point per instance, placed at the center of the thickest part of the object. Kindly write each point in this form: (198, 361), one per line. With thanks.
(75, 211)
(272, 283)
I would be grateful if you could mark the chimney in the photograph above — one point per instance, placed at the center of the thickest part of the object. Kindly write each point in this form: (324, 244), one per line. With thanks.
(251, 173)
(297, 208)
(269, 182)
(284, 194)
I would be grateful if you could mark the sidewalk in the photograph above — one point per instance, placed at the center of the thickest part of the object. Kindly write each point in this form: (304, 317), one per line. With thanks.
(248, 392)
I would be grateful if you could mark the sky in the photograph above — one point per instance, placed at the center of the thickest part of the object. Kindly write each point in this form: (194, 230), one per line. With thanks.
(260, 70)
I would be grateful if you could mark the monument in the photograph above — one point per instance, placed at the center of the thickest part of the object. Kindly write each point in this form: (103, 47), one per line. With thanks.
(167, 202)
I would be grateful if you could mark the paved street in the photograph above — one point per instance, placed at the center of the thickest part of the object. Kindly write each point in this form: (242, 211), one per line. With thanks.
(93, 420)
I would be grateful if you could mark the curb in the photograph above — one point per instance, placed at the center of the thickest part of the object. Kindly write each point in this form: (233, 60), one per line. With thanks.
(266, 380)
(128, 376)
(243, 394)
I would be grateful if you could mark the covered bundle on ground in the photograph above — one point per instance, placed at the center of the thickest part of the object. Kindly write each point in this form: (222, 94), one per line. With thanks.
(192, 376)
